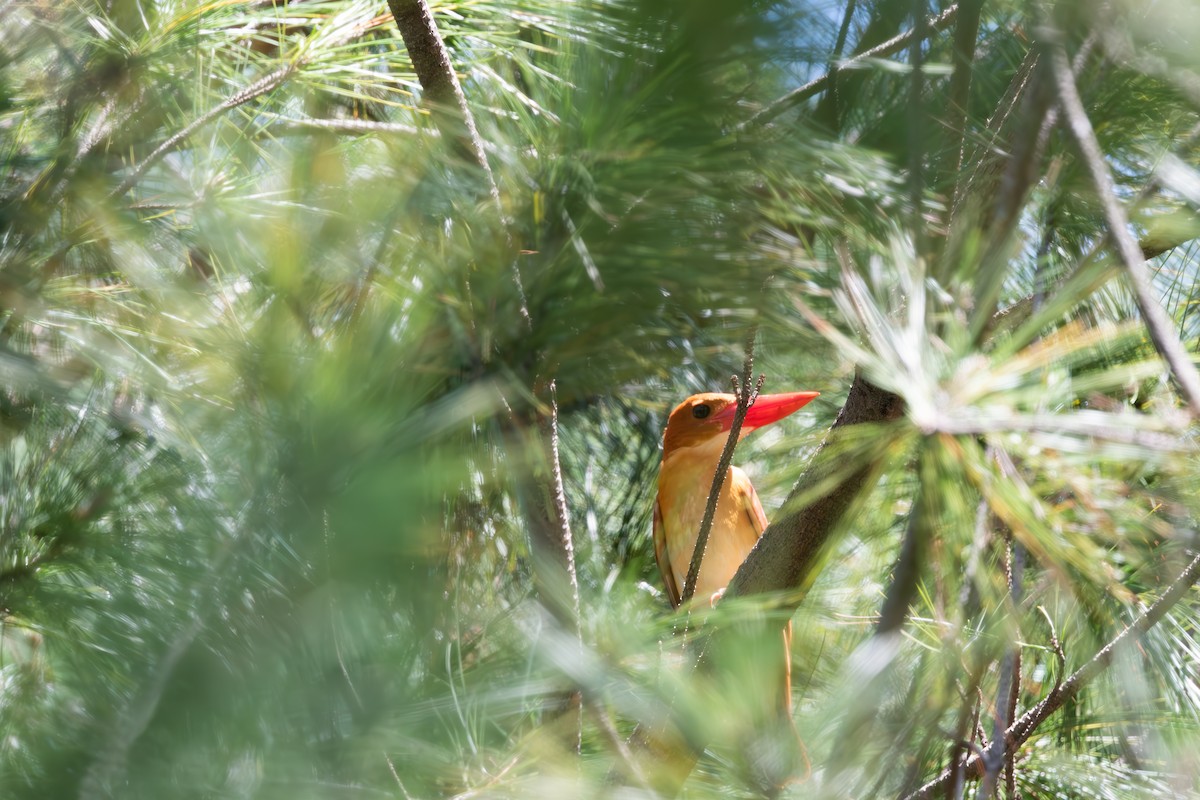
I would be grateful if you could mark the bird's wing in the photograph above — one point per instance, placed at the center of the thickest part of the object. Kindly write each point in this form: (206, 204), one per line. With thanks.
(743, 489)
(663, 557)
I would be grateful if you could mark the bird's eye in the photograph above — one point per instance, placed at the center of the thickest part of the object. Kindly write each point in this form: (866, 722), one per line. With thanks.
(700, 411)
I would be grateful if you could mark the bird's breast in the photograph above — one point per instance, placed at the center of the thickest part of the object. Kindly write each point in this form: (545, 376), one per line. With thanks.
(682, 496)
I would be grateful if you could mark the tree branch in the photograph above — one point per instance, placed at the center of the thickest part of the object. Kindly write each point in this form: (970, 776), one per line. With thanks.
(443, 93)
(787, 551)
(447, 104)
(257, 89)
(817, 85)
(1021, 730)
(840, 44)
(907, 572)
(1161, 331)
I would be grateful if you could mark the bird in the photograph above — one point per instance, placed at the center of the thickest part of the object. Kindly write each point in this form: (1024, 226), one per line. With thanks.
(695, 436)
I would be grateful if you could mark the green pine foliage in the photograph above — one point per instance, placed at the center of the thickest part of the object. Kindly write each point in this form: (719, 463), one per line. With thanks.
(275, 371)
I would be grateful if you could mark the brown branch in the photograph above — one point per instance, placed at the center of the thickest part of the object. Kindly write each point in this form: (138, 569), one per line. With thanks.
(817, 85)
(1161, 331)
(443, 93)
(447, 104)
(745, 398)
(787, 551)
(1021, 730)
(541, 497)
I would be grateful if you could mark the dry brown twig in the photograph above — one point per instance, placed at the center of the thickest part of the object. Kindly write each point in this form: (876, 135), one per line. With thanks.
(745, 398)
(1022, 729)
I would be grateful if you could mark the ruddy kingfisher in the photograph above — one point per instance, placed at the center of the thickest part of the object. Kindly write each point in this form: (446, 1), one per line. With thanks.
(695, 436)
(692, 443)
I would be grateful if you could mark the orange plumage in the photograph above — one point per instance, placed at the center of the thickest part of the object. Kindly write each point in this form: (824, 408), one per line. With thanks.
(692, 443)
(696, 434)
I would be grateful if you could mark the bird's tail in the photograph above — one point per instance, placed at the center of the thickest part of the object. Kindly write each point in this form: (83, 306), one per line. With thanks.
(801, 767)
(777, 757)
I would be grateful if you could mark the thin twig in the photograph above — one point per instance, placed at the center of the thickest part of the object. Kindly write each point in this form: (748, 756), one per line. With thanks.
(285, 124)
(1161, 331)
(1058, 649)
(568, 546)
(966, 33)
(917, 121)
(843, 31)
(1021, 730)
(816, 85)
(260, 87)
(785, 555)
(560, 502)
(998, 754)
(745, 398)
(968, 717)
(1014, 693)
(613, 737)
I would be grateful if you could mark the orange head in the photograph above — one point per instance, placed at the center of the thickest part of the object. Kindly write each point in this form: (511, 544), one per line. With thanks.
(706, 418)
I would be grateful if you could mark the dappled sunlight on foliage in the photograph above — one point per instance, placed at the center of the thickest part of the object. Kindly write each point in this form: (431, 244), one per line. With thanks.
(291, 383)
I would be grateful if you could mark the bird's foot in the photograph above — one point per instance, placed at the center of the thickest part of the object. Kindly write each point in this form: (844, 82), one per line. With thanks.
(714, 597)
